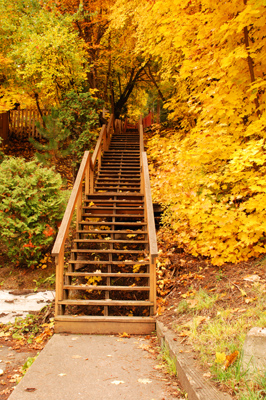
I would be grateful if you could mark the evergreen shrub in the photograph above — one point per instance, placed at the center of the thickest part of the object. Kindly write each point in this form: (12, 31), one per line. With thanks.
(31, 207)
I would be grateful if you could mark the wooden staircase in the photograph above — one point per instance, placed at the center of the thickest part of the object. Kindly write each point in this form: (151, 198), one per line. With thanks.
(109, 285)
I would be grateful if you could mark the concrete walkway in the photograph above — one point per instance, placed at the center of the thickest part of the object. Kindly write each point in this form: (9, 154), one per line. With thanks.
(81, 367)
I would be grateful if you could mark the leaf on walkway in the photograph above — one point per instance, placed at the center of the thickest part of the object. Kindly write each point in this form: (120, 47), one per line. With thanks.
(144, 381)
(124, 335)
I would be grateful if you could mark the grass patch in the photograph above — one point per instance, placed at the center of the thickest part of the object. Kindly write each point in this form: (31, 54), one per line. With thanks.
(212, 328)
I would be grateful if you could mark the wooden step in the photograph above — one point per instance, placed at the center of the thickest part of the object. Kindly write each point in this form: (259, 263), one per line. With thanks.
(104, 325)
(107, 288)
(108, 232)
(111, 201)
(104, 223)
(112, 211)
(118, 179)
(127, 262)
(107, 302)
(109, 274)
(129, 241)
(97, 195)
(101, 215)
(109, 251)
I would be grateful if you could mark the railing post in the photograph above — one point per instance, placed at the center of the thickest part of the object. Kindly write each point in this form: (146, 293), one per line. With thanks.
(91, 177)
(87, 177)
(59, 261)
(141, 153)
(153, 283)
(105, 141)
(79, 207)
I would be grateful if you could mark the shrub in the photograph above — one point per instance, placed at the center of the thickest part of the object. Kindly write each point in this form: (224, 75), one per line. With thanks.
(31, 206)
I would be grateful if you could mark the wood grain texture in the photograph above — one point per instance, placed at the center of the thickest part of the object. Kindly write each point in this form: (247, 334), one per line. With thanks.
(149, 208)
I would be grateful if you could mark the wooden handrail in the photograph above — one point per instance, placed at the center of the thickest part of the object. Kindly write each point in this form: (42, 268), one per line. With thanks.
(87, 166)
(141, 142)
(64, 227)
(98, 146)
(146, 189)
(149, 209)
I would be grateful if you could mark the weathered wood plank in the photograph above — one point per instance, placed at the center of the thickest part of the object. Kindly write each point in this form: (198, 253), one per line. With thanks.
(149, 208)
(103, 287)
(104, 325)
(109, 302)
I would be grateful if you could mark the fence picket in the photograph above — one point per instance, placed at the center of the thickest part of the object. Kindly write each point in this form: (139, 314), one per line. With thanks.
(22, 122)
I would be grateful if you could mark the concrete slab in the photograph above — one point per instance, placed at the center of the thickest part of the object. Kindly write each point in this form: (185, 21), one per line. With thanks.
(254, 357)
(82, 367)
(189, 374)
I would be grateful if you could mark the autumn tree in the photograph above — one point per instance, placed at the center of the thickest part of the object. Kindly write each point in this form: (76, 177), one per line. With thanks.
(46, 57)
(214, 184)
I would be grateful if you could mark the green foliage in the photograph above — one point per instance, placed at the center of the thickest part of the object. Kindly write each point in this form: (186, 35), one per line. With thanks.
(55, 136)
(69, 129)
(31, 206)
(28, 364)
(48, 59)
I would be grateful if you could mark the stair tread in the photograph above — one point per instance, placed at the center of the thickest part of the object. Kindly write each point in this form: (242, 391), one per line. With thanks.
(107, 302)
(107, 250)
(115, 201)
(107, 232)
(108, 288)
(113, 215)
(115, 194)
(126, 262)
(104, 318)
(112, 223)
(110, 274)
(110, 241)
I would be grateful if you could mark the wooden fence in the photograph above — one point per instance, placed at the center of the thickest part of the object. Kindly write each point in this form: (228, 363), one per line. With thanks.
(22, 122)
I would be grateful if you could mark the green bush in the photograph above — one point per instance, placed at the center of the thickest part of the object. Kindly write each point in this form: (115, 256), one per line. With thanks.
(31, 207)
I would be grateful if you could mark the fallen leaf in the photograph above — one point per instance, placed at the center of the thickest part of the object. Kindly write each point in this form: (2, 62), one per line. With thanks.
(158, 367)
(220, 358)
(250, 300)
(243, 293)
(192, 303)
(124, 335)
(230, 359)
(252, 278)
(30, 389)
(144, 381)
(117, 382)
(184, 333)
